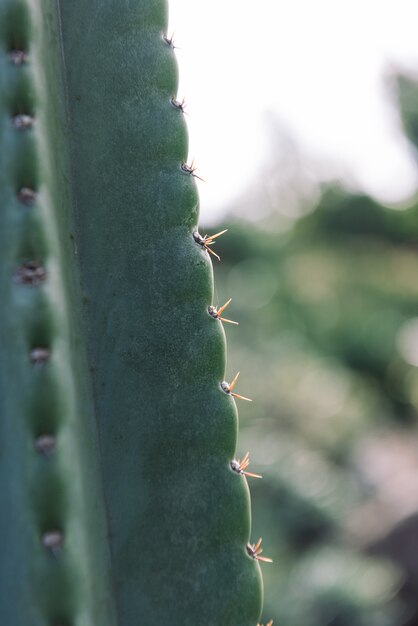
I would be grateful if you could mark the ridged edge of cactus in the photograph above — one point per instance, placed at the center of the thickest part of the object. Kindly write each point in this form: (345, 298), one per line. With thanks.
(55, 515)
(177, 537)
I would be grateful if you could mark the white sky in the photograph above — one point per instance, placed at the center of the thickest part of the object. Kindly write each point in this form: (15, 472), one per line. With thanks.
(319, 65)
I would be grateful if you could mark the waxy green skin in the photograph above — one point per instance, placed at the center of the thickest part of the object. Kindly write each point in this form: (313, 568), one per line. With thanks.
(155, 523)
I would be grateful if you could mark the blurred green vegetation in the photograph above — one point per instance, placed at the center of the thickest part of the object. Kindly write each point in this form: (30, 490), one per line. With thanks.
(328, 349)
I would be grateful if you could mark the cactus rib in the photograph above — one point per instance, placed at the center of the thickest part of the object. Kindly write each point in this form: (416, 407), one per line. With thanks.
(52, 494)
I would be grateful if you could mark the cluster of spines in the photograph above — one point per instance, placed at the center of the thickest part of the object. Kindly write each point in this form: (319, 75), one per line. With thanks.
(239, 467)
(206, 242)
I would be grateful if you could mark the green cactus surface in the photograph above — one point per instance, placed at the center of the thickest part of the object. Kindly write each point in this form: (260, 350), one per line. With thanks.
(119, 504)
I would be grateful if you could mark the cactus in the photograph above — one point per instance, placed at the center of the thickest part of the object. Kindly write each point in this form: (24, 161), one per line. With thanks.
(119, 503)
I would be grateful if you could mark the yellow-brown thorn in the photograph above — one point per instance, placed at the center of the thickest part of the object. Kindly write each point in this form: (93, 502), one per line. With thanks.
(240, 466)
(206, 241)
(254, 550)
(228, 387)
(169, 40)
(216, 313)
(190, 169)
(180, 105)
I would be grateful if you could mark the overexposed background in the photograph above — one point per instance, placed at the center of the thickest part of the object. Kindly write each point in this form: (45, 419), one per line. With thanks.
(320, 70)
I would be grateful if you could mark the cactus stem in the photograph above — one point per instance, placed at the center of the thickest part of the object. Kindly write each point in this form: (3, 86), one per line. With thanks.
(74, 438)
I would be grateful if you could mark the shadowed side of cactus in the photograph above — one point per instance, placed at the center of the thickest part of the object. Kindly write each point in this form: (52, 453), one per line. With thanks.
(54, 564)
(151, 522)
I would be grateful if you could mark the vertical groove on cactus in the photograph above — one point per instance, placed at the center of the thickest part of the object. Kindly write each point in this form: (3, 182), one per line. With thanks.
(95, 191)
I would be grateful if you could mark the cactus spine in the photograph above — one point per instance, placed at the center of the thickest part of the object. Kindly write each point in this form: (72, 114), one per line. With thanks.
(116, 478)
